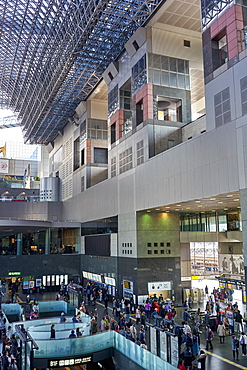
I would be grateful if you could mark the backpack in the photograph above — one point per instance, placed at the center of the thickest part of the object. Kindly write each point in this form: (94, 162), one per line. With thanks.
(211, 334)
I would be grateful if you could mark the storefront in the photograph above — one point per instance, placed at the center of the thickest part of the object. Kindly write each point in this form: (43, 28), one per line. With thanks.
(104, 282)
(160, 289)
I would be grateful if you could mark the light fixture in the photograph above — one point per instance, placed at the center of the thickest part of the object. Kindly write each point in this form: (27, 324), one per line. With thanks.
(157, 209)
(220, 202)
(5, 193)
(187, 207)
(177, 209)
(198, 201)
(225, 209)
(199, 205)
(178, 205)
(148, 210)
(229, 195)
(168, 207)
(236, 200)
(212, 198)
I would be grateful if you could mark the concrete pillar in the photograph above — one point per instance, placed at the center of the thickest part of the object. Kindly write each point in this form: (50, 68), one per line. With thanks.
(19, 244)
(243, 203)
(47, 241)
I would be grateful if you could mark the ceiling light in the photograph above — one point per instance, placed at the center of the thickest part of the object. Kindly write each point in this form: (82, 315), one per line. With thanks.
(225, 209)
(167, 211)
(212, 198)
(229, 195)
(199, 206)
(168, 207)
(149, 210)
(213, 210)
(187, 207)
(177, 209)
(178, 205)
(238, 207)
(157, 209)
(236, 200)
(198, 201)
(220, 202)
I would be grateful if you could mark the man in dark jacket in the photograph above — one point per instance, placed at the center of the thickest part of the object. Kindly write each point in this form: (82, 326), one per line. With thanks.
(188, 357)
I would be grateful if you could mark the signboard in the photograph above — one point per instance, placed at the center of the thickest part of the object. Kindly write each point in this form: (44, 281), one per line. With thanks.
(99, 278)
(174, 351)
(38, 283)
(4, 166)
(25, 285)
(127, 288)
(31, 284)
(16, 273)
(163, 285)
(153, 341)
(163, 345)
(186, 278)
(70, 361)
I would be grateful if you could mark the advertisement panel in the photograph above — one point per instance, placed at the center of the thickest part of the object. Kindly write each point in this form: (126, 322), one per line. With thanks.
(153, 341)
(163, 345)
(4, 165)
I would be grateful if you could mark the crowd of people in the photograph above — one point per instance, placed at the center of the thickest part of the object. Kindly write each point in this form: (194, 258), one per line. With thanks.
(10, 349)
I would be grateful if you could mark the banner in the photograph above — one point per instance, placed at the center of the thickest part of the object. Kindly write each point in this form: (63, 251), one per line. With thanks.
(4, 166)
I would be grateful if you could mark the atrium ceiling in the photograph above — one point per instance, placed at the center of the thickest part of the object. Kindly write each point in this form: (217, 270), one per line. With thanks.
(53, 54)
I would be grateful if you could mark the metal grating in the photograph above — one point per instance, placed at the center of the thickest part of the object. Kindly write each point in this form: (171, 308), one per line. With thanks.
(53, 53)
(212, 8)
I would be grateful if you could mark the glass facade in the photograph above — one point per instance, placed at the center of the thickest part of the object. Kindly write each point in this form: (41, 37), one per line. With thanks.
(211, 222)
(139, 75)
(167, 71)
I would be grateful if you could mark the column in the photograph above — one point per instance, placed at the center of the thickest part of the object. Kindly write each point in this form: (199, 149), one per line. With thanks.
(47, 241)
(243, 203)
(19, 244)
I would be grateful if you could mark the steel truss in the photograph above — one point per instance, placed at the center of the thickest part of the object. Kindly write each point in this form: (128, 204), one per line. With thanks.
(53, 54)
(212, 8)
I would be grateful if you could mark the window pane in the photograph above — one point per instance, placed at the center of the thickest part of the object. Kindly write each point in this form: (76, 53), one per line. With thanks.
(173, 64)
(165, 63)
(173, 79)
(156, 77)
(181, 82)
(164, 78)
(181, 68)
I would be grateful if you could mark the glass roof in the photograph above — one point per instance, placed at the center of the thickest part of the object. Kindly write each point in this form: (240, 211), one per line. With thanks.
(53, 54)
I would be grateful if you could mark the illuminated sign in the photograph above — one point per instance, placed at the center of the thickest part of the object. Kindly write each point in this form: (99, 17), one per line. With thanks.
(70, 361)
(16, 273)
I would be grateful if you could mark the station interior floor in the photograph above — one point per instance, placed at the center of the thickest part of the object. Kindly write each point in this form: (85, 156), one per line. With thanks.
(220, 358)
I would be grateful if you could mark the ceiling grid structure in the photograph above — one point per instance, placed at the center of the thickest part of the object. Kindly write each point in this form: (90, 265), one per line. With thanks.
(53, 54)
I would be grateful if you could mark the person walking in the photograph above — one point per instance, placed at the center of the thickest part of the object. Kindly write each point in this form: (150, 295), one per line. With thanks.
(221, 332)
(209, 337)
(243, 342)
(235, 347)
(53, 332)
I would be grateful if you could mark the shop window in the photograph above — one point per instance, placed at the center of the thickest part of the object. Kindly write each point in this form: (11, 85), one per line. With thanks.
(139, 113)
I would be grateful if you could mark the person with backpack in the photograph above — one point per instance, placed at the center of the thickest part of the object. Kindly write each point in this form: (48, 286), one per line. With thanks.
(243, 342)
(235, 347)
(209, 337)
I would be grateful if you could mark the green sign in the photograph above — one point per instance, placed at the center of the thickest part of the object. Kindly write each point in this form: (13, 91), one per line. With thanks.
(16, 273)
